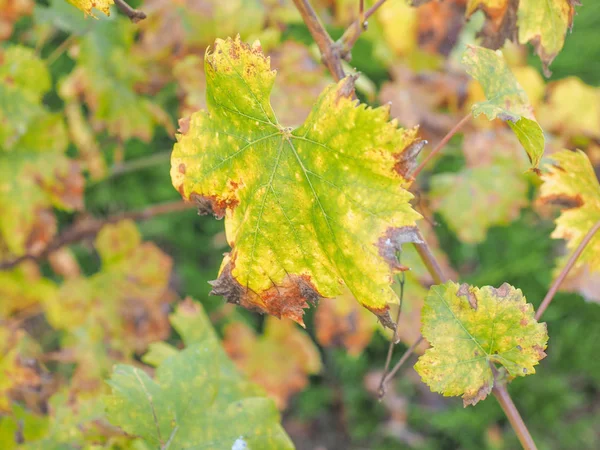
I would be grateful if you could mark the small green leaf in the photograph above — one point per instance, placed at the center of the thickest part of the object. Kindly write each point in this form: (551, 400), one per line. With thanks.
(197, 400)
(471, 329)
(506, 99)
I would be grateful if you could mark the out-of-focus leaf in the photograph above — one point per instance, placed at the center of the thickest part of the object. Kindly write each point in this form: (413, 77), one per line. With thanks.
(343, 322)
(570, 181)
(125, 300)
(572, 109)
(475, 199)
(280, 360)
(197, 399)
(471, 328)
(583, 281)
(87, 5)
(276, 189)
(23, 287)
(106, 76)
(10, 12)
(35, 174)
(506, 99)
(544, 23)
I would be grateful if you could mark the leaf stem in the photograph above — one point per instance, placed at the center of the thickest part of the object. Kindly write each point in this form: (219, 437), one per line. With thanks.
(428, 258)
(62, 47)
(353, 32)
(515, 419)
(441, 144)
(329, 50)
(565, 271)
(409, 351)
(394, 339)
(135, 15)
(90, 227)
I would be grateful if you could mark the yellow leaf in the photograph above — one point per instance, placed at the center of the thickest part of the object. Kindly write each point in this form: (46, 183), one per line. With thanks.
(87, 5)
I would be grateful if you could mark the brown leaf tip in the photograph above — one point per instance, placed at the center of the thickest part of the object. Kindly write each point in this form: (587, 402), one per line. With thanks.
(406, 160)
(465, 291)
(383, 314)
(481, 394)
(287, 299)
(391, 243)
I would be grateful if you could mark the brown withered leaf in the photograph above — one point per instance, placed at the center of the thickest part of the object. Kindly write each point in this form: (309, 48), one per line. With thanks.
(280, 359)
(343, 322)
(440, 24)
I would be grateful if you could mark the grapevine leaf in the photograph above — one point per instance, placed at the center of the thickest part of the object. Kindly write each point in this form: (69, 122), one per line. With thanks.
(570, 181)
(87, 5)
(106, 76)
(501, 20)
(572, 109)
(471, 329)
(342, 321)
(22, 288)
(307, 210)
(506, 99)
(544, 23)
(197, 400)
(267, 359)
(35, 174)
(125, 298)
(484, 196)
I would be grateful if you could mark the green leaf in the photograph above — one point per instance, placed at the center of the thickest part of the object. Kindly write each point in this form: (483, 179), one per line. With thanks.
(307, 210)
(197, 400)
(544, 23)
(506, 99)
(35, 173)
(570, 180)
(475, 199)
(472, 329)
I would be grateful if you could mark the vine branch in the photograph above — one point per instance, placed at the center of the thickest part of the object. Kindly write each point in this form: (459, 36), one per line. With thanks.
(353, 32)
(565, 271)
(512, 413)
(135, 15)
(441, 144)
(90, 227)
(330, 52)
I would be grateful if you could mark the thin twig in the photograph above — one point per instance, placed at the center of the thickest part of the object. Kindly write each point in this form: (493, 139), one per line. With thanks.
(353, 32)
(135, 15)
(90, 227)
(565, 271)
(134, 165)
(64, 45)
(394, 339)
(512, 413)
(431, 263)
(441, 144)
(409, 351)
(329, 50)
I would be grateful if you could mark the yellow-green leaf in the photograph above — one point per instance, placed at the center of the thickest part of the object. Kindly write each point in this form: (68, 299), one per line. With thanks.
(87, 5)
(197, 399)
(470, 329)
(544, 23)
(307, 210)
(506, 99)
(570, 181)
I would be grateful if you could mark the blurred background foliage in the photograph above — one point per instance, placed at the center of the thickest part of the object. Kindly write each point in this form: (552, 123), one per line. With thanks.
(121, 87)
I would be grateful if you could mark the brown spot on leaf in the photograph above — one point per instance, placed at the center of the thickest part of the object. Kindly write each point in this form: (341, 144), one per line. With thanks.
(464, 290)
(288, 299)
(563, 201)
(540, 351)
(181, 168)
(391, 243)
(212, 204)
